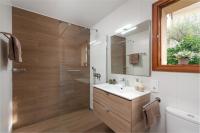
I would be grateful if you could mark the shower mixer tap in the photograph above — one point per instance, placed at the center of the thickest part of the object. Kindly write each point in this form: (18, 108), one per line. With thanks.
(96, 75)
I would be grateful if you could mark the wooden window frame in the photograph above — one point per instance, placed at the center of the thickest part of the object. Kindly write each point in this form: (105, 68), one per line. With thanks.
(156, 42)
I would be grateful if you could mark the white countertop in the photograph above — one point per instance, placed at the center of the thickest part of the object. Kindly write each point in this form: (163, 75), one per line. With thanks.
(129, 93)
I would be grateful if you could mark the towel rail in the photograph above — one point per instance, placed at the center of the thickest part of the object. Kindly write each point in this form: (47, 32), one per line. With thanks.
(156, 99)
(18, 70)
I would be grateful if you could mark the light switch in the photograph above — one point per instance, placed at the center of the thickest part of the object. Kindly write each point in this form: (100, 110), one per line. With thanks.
(155, 86)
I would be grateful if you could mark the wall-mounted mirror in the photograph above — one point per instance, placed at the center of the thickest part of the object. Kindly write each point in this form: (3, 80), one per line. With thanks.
(130, 50)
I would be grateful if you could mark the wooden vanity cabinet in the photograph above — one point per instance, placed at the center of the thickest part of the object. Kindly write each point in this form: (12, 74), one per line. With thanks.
(121, 115)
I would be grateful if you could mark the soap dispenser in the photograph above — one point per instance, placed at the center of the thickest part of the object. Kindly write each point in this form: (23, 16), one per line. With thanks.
(139, 85)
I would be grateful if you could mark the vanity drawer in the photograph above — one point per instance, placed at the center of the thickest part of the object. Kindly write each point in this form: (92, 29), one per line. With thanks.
(111, 119)
(118, 105)
(101, 96)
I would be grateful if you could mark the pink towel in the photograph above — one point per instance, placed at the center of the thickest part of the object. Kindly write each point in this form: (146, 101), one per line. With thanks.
(15, 52)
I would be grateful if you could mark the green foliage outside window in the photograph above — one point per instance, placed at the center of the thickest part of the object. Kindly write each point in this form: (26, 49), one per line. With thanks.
(184, 36)
(189, 43)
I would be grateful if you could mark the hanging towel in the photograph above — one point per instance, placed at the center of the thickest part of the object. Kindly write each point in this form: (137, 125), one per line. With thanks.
(151, 114)
(15, 52)
(134, 58)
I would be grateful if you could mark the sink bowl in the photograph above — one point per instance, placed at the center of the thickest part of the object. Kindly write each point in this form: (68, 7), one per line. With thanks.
(123, 91)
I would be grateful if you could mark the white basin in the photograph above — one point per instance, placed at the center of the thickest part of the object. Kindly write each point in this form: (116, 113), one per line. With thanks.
(128, 93)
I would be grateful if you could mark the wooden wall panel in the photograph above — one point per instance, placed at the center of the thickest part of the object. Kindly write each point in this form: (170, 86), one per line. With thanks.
(51, 49)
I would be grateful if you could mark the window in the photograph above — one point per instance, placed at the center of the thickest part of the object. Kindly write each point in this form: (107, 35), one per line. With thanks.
(176, 35)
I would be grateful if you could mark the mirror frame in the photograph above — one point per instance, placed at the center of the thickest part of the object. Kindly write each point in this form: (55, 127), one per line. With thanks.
(108, 51)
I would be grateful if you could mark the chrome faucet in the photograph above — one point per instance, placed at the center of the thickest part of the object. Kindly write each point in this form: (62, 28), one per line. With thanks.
(123, 82)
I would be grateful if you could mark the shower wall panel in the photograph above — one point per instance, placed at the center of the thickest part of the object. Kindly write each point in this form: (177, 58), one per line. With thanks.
(54, 81)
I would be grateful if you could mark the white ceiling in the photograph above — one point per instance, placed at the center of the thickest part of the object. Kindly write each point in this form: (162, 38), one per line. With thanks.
(80, 12)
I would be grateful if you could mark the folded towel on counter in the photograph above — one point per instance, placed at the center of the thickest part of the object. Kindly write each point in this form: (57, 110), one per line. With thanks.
(134, 58)
(151, 114)
(15, 52)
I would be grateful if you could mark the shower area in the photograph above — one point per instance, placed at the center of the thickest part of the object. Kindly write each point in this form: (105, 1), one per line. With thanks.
(53, 79)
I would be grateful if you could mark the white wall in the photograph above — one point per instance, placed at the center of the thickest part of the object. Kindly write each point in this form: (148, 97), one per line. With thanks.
(5, 70)
(180, 90)
(97, 60)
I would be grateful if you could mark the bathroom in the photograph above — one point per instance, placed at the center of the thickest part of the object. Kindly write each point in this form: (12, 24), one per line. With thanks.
(67, 51)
